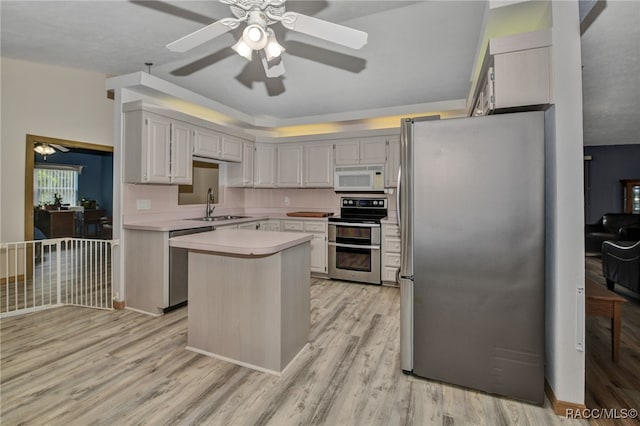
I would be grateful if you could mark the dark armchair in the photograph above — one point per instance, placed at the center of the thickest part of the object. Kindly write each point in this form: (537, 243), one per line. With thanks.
(621, 264)
(611, 227)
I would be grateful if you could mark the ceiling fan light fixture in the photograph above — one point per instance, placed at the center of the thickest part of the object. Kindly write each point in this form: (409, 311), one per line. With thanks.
(44, 149)
(273, 49)
(254, 36)
(243, 49)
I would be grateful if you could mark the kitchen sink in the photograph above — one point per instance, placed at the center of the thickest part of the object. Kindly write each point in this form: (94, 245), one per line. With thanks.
(216, 218)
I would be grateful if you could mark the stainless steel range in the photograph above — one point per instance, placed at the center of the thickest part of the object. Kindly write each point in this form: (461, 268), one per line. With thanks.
(355, 239)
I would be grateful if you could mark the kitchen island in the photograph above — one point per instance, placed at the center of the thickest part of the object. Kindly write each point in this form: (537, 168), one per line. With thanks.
(248, 296)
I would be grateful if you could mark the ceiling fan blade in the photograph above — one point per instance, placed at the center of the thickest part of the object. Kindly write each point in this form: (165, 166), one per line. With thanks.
(59, 147)
(203, 35)
(274, 70)
(325, 30)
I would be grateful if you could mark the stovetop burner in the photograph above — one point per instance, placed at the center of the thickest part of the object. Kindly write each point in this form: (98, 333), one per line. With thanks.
(361, 210)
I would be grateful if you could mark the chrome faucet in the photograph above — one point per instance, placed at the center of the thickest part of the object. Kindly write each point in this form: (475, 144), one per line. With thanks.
(210, 208)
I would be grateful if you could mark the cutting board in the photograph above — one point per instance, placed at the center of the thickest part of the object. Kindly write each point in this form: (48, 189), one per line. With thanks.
(310, 214)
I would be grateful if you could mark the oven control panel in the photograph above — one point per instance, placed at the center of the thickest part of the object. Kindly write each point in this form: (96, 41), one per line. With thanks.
(365, 203)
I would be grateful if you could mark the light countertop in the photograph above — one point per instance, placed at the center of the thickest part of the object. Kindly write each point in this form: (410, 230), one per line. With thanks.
(243, 242)
(165, 225)
(178, 224)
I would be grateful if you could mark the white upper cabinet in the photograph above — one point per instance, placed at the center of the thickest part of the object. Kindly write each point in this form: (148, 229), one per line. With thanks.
(264, 166)
(373, 150)
(218, 146)
(181, 147)
(241, 174)
(157, 149)
(392, 164)
(515, 74)
(361, 151)
(347, 152)
(289, 166)
(231, 148)
(522, 78)
(318, 166)
(206, 143)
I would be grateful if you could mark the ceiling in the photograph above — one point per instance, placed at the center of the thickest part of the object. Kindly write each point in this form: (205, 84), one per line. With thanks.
(611, 75)
(419, 56)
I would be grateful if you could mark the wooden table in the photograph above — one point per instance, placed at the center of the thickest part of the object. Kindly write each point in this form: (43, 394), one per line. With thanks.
(601, 302)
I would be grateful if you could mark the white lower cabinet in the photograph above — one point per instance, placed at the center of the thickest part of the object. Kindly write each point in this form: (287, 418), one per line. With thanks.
(145, 287)
(390, 252)
(226, 226)
(249, 225)
(318, 244)
(270, 225)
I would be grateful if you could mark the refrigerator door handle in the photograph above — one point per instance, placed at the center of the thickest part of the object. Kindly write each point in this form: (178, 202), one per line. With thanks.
(398, 192)
(405, 206)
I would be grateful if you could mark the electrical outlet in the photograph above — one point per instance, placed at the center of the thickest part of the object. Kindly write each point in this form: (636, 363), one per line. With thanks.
(287, 201)
(143, 204)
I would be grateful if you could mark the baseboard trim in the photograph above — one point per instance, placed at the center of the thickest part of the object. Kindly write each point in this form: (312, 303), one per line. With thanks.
(560, 407)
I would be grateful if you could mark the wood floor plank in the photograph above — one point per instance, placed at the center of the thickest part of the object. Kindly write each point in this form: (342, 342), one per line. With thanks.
(79, 366)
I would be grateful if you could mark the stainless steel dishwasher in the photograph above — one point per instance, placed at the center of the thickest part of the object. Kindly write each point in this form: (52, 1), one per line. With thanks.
(179, 269)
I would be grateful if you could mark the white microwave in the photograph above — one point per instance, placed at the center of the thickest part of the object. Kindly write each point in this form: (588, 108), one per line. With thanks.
(359, 178)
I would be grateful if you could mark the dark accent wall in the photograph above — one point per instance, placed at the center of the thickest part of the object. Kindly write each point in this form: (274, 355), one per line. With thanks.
(96, 180)
(610, 164)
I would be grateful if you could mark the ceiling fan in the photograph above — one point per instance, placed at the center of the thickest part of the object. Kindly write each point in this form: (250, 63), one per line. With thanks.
(258, 36)
(45, 149)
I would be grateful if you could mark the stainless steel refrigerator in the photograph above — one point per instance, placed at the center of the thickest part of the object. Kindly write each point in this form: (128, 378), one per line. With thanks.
(471, 215)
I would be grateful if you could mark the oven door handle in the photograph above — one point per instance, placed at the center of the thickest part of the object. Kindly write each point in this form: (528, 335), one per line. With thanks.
(359, 225)
(356, 246)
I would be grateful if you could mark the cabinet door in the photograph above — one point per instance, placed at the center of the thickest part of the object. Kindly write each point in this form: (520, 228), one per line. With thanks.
(318, 254)
(522, 78)
(247, 164)
(156, 166)
(265, 166)
(181, 147)
(290, 166)
(347, 152)
(241, 174)
(393, 163)
(373, 151)
(318, 166)
(206, 143)
(231, 148)
(249, 225)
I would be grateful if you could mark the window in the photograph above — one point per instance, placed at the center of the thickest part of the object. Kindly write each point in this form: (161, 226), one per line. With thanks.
(50, 179)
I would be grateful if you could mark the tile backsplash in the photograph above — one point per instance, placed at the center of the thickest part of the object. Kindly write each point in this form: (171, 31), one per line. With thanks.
(163, 199)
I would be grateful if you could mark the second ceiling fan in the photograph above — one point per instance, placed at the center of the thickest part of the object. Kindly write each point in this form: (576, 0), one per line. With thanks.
(258, 36)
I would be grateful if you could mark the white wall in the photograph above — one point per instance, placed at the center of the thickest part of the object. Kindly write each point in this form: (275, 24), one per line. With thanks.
(49, 101)
(565, 363)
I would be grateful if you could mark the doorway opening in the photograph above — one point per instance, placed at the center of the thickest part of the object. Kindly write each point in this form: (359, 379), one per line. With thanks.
(69, 176)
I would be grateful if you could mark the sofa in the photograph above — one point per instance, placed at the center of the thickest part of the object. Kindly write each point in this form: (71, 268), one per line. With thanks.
(611, 227)
(621, 264)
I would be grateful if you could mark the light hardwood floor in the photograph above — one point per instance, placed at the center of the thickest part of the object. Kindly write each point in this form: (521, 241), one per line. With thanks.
(76, 366)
